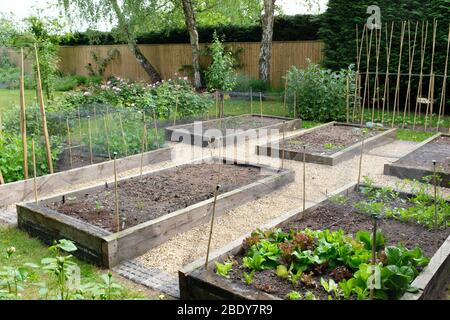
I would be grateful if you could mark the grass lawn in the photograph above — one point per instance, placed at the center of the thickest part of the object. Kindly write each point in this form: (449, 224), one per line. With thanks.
(10, 98)
(32, 250)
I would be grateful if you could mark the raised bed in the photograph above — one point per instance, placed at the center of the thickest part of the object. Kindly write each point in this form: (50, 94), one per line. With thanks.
(20, 191)
(328, 144)
(216, 130)
(196, 282)
(419, 162)
(153, 209)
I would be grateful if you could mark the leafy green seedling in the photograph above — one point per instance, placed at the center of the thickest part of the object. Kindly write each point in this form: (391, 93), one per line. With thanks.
(222, 269)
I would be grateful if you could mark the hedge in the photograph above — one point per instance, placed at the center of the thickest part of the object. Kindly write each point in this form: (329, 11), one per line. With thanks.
(286, 28)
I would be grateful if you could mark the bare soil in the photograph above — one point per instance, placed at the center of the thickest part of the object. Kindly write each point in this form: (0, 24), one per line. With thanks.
(156, 195)
(329, 139)
(342, 216)
(234, 123)
(80, 159)
(438, 149)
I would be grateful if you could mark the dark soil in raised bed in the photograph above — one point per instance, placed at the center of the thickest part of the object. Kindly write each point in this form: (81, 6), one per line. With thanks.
(234, 123)
(342, 216)
(328, 140)
(156, 195)
(438, 149)
(80, 159)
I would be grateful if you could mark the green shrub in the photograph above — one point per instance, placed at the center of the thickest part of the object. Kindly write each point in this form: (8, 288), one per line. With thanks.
(320, 93)
(71, 82)
(244, 84)
(220, 74)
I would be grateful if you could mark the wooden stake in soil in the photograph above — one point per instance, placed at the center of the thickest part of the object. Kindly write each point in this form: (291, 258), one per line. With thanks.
(123, 135)
(366, 81)
(304, 177)
(175, 113)
(282, 149)
(435, 195)
(397, 87)
(295, 104)
(411, 64)
(107, 137)
(251, 101)
(285, 95)
(376, 84)
(386, 83)
(217, 104)
(79, 126)
(156, 128)
(260, 105)
(90, 140)
(116, 193)
(360, 162)
(144, 136)
(23, 119)
(33, 150)
(422, 60)
(69, 141)
(347, 93)
(42, 107)
(431, 83)
(216, 192)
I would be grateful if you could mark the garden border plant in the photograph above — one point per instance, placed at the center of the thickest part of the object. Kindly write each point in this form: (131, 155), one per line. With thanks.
(198, 283)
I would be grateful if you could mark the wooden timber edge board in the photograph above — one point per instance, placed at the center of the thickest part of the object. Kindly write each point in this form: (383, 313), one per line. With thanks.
(108, 249)
(409, 172)
(331, 160)
(21, 191)
(195, 283)
(195, 139)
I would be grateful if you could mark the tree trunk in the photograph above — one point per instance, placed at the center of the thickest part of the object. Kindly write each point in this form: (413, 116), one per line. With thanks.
(266, 40)
(191, 25)
(143, 61)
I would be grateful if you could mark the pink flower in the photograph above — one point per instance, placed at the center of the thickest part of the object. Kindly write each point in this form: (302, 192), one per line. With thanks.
(87, 93)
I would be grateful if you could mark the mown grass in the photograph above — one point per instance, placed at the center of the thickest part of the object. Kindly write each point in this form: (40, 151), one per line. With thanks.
(29, 249)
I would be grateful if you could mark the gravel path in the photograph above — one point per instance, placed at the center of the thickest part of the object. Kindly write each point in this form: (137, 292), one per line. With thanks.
(320, 180)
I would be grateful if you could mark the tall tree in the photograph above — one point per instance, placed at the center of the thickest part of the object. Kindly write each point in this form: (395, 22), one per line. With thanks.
(191, 24)
(265, 51)
(127, 17)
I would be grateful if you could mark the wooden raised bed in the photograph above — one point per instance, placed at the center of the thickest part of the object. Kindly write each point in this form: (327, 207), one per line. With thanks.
(47, 185)
(419, 162)
(276, 150)
(184, 133)
(107, 248)
(198, 283)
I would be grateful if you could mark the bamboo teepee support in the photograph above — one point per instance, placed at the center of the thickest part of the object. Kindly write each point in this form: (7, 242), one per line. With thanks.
(69, 142)
(376, 83)
(42, 108)
(422, 60)
(358, 74)
(397, 86)
(411, 64)
(33, 154)
(123, 135)
(91, 157)
(444, 84)
(431, 83)
(386, 82)
(23, 118)
(107, 137)
(366, 80)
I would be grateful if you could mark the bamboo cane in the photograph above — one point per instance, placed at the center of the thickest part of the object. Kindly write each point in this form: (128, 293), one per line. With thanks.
(42, 108)
(376, 84)
(107, 137)
(251, 101)
(358, 75)
(397, 87)
(260, 106)
(175, 113)
(386, 82)
(422, 60)
(347, 93)
(285, 94)
(123, 135)
(69, 141)
(23, 119)
(431, 83)
(295, 104)
(360, 163)
(116, 194)
(33, 150)
(144, 135)
(212, 224)
(90, 140)
(217, 103)
(156, 128)
(411, 64)
(304, 177)
(366, 80)
(444, 83)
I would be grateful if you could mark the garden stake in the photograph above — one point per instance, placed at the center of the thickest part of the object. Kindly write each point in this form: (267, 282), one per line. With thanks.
(42, 107)
(295, 103)
(397, 87)
(34, 171)
(358, 74)
(260, 105)
(175, 113)
(90, 139)
(123, 135)
(116, 193)
(282, 150)
(23, 118)
(366, 80)
(69, 142)
(444, 83)
(347, 99)
(285, 94)
(431, 83)
(435, 195)
(212, 225)
(144, 134)
(374, 255)
(251, 101)
(107, 137)
(422, 60)
(156, 129)
(2, 181)
(386, 82)
(411, 64)
(376, 84)
(217, 103)
(79, 125)
(360, 163)
(304, 177)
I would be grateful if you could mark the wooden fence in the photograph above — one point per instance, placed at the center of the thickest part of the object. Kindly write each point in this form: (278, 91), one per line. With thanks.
(169, 58)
